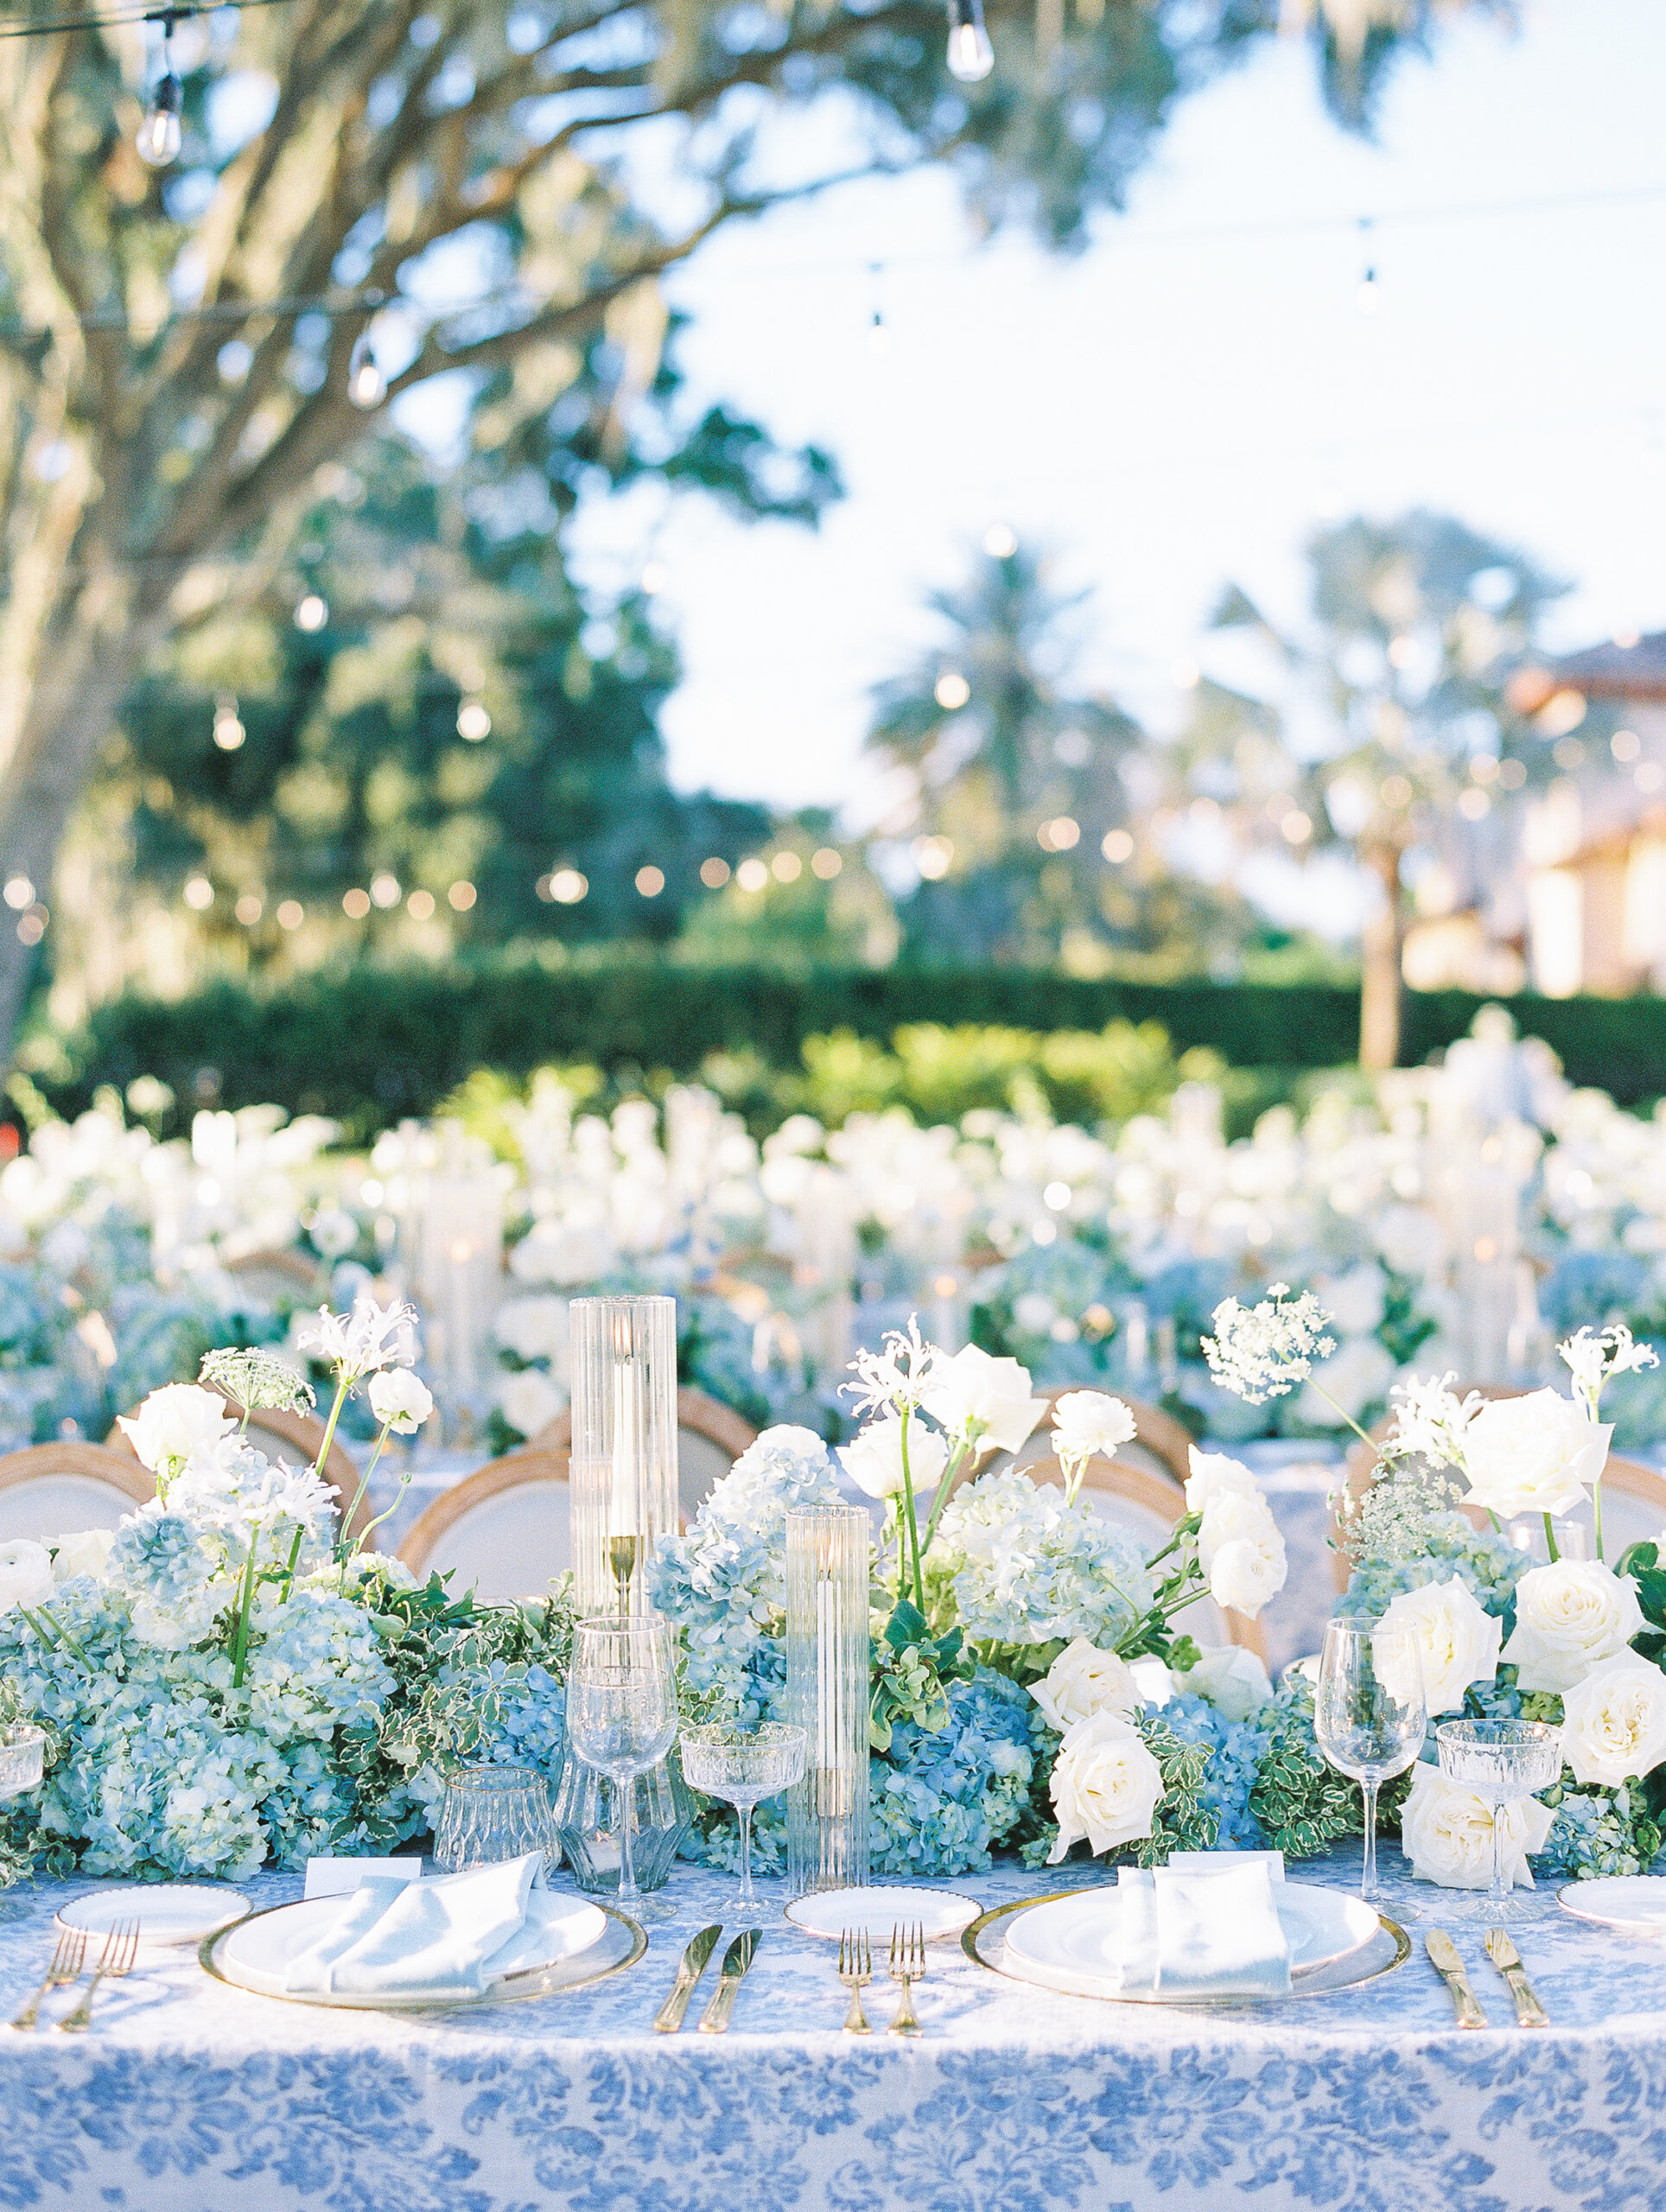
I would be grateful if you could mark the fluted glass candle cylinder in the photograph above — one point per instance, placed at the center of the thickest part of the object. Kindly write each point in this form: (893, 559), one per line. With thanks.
(623, 1476)
(827, 1552)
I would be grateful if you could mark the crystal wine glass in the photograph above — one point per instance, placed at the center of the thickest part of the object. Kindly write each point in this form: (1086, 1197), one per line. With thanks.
(1502, 1762)
(1368, 1717)
(741, 1764)
(22, 1762)
(621, 1716)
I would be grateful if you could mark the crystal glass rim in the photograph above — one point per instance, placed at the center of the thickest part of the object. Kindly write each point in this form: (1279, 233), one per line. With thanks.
(1497, 1735)
(627, 1297)
(19, 1735)
(492, 1781)
(736, 1735)
(623, 1625)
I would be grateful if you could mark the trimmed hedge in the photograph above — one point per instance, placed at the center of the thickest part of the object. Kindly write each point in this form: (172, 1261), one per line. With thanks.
(368, 1044)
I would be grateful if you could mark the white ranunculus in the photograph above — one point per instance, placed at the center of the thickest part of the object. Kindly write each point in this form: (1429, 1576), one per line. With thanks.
(1083, 1681)
(985, 1400)
(1455, 1639)
(874, 1462)
(1105, 1785)
(1090, 1424)
(1537, 1453)
(400, 1399)
(1358, 1374)
(1447, 1833)
(1241, 1550)
(1614, 1722)
(25, 1574)
(1212, 1472)
(82, 1553)
(1568, 1615)
(533, 1328)
(1233, 1680)
(175, 1424)
(530, 1400)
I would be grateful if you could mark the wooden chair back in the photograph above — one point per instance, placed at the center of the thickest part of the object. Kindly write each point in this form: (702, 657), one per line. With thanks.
(58, 1489)
(502, 1531)
(1160, 1445)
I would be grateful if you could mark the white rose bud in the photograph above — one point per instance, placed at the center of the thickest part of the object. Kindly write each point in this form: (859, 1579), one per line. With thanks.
(84, 1554)
(25, 1574)
(1537, 1453)
(874, 1462)
(400, 1399)
(1568, 1615)
(1453, 1636)
(983, 1399)
(1233, 1680)
(1091, 1424)
(1614, 1722)
(1447, 1833)
(175, 1424)
(1241, 1550)
(1105, 1785)
(1083, 1681)
(1213, 1472)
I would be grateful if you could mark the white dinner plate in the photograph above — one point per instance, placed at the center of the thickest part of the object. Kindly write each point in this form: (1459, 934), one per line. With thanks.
(168, 1912)
(255, 1954)
(1072, 1943)
(1635, 1902)
(877, 1909)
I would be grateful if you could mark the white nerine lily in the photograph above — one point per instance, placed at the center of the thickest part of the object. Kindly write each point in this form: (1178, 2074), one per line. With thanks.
(360, 1343)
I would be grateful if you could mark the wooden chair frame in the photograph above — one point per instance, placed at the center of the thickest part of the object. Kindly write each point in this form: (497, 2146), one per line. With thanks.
(513, 1471)
(33, 1462)
(708, 1417)
(1158, 1432)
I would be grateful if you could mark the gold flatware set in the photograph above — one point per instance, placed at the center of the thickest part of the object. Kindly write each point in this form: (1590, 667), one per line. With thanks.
(115, 1962)
(906, 1965)
(1500, 1948)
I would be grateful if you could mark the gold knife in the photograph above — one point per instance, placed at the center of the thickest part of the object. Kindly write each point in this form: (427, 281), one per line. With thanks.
(1530, 2013)
(736, 1959)
(669, 2018)
(1443, 1957)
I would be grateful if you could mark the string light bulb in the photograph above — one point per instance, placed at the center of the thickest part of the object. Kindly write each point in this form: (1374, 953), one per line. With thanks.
(971, 57)
(159, 136)
(366, 386)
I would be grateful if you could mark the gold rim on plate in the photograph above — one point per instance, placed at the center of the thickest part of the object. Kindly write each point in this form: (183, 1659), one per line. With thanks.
(503, 1993)
(1606, 1919)
(969, 1944)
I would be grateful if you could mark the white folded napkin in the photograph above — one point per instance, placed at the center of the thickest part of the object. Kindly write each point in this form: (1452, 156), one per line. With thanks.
(1202, 1930)
(459, 1932)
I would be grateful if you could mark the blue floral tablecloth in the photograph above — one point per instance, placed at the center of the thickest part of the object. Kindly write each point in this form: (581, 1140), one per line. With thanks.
(191, 2097)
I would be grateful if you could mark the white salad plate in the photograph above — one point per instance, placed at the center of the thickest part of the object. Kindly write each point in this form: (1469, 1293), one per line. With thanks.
(576, 1943)
(876, 1910)
(1634, 1902)
(168, 1912)
(1074, 1943)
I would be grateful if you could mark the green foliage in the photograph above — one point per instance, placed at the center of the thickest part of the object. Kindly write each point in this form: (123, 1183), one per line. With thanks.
(911, 1672)
(1303, 1805)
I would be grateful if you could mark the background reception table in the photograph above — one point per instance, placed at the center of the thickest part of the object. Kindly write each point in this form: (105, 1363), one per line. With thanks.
(189, 2097)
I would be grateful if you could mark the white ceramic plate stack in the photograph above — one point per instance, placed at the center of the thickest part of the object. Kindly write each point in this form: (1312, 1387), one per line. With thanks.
(1636, 1902)
(577, 1942)
(876, 1910)
(1074, 1943)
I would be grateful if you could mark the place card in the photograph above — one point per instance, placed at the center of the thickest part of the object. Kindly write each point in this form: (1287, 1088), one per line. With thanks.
(335, 1877)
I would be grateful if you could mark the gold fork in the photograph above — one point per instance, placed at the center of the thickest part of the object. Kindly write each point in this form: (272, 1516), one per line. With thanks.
(856, 1971)
(66, 1967)
(120, 1946)
(908, 1966)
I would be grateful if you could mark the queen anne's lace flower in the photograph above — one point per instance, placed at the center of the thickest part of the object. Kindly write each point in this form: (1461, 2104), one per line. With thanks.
(1260, 1351)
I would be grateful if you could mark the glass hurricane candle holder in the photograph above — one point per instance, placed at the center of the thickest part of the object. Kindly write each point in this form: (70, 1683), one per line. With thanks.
(827, 1695)
(623, 1476)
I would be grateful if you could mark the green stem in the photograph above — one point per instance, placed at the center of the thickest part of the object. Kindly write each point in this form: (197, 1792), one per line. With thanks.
(289, 1572)
(345, 1545)
(1370, 1441)
(1550, 1540)
(39, 1619)
(1596, 1508)
(950, 1475)
(342, 1387)
(405, 1485)
(240, 1640)
(913, 1526)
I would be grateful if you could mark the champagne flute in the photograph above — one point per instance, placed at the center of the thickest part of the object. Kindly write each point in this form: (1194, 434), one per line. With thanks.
(1501, 1761)
(621, 1716)
(1368, 1717)
(740, 1764)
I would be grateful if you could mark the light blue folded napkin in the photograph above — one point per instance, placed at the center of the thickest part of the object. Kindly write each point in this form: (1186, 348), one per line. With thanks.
(456, 1933)
(1198, 1932)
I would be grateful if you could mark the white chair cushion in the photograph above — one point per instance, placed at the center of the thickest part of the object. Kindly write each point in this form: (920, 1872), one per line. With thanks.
(48, 1506)
(511, 1545)
(701, 1466)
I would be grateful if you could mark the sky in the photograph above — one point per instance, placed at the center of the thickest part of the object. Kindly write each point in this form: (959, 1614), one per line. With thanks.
(1182, 402)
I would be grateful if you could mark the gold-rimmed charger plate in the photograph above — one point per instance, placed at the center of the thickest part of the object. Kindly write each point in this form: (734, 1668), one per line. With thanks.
(618, 1949)
(984, 1941)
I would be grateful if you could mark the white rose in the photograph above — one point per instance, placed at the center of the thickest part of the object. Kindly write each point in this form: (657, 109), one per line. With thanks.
(533, 1328)
(1083, 1681)
(874, 1462)
(1455, 1639)
(983, 1399)
(25, 1574)
(1105, 1785)
(529, 1401)
(1090, 1424)
(1614, 1722)
(175, 1424)
(1234, 1681)
(1447, 1833)
(84, 1554)
(1240, 1549)
(1568, 1615)
(1538, 1453)
(400, 1399)
(1212, 1472)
